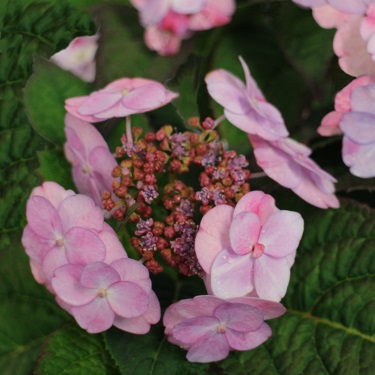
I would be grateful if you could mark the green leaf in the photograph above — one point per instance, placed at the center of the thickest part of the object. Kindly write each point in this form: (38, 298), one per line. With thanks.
(45, 94)
(28, 313)
(149, 354)
(330, 324)
(54, 167)
(74, 351)
(122, 52)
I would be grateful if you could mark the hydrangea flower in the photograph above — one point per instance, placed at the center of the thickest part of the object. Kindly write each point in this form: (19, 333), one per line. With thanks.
(101, 295)
(79, 57)
(288, 163)
(121, 98)
(330, 123)
(64, 227)
(89, 154)
(347, 6)
(358, 126)
(168, 22)
(248, 248)
(209, 327)
(245, 105)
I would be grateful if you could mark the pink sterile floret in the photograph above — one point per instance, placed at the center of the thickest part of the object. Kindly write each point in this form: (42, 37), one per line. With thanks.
(101, 295)
(209, 327)
(168, 22)
(89, 154)
(245, 105)
(120, 98)
(330, 123)
(288, 163)
(79, 57)
(65, 228)
(248, 248)
(358, 126)
(347, 6)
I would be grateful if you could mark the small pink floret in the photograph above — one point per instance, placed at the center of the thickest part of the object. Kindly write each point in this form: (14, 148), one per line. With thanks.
(79, 57)
(210, 327)
(121, 98)
(250, 249)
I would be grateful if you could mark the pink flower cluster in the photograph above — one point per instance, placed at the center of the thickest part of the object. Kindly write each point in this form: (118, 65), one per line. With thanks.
(79, 258)
(79, 57)
(283, 159)
(247, 253)
(354, 42)
(168, 22)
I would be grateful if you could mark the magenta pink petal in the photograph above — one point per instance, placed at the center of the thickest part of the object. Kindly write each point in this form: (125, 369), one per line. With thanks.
(213, 235)
(97, 316)
(232, 275)
(99, 275)
(210, 348)
(248, 340)
(244, 232)
(115, 250)
(80, 211)
(66, 283)
(127, 299)
(83, 246)
(271, 277)
(258, 202)
(240, 317)
(98, 102)
(282, 233)
(330, 124)
(191, 330)
(43, 218)
(134, 271)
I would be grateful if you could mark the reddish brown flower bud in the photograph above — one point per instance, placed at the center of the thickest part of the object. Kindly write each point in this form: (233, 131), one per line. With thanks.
(121, 191)
(194, 137)
(175, 165)
(229, 193)
(204, 209)
(154, 267)
(150, 137)
(169, 232)
(160, 135)
(227, 181)
(138, 163)
(119, 214)
(126, 181)
(161, 243)
(168, 204)
(194, 122)
(204, 180)
(148, 168)
(116, 172)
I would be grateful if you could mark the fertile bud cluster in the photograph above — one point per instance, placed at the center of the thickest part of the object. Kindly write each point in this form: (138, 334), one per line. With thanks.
(170, 236)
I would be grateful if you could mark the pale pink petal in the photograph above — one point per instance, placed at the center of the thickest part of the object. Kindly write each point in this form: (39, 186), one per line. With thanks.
(328, 17)
(80, 211)
(37, 271)
(281, 233)
(36, 247)
(54, 259)
(98, 102)
(244, 232)
(251, 85)
(232, 274)
(210, 348)
(72, 104)
(191, 330)
(310, 3)
(127, 299)
(359, 126)
(330, 124)
(363, 99)
(115, 250)
(43, 218)
(103, 163)
(53, 192)
(350, 6)
(187, 7)
(270, 309)
(213, 235)
(83, 246)
(134, 271)
(99, 275)
(258, 202)
(360, 158)
(162, 41)
(97, 316)
(239, 317)
(66, 283)
(248, 340)
(271, 277)
(153, 11)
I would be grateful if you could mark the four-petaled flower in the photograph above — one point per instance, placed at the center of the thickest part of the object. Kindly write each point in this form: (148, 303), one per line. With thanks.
(249, 248)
